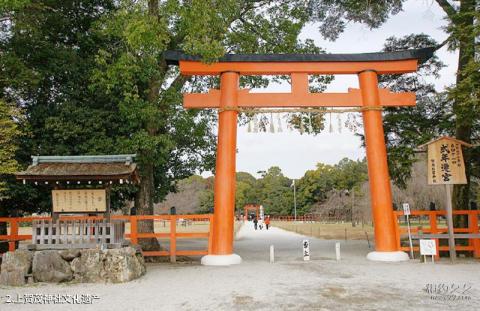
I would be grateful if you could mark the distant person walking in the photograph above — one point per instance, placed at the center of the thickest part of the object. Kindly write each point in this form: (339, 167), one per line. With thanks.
(267, 222)
(255, 222)
(260, 224)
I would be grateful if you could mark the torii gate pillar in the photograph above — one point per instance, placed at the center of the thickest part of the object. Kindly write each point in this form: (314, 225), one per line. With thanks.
(380, 190)
(224, 191)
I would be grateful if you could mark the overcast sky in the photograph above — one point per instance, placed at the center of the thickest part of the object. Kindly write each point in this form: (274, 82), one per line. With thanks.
(295, 153)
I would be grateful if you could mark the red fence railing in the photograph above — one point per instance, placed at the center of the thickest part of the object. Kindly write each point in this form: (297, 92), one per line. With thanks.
(438, 227)
(173, 235)
(292, 218)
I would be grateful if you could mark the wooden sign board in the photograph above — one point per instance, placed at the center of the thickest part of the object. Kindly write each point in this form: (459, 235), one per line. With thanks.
(79, 200)
(445, 162)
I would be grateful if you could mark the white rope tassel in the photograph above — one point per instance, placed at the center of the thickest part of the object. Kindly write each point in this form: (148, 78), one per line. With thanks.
(330, 128)
(249, 128)
(255, 124)
(302, 128)
(339, 120)
(272, 127)
(279, 127)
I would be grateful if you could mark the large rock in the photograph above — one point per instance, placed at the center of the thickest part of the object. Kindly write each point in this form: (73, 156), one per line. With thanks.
(69, 254)
(49, 266)
(15, 267)
(122, 265)
(87, 267)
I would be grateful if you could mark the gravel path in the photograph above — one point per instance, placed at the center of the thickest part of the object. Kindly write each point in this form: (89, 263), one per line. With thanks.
(289, 284)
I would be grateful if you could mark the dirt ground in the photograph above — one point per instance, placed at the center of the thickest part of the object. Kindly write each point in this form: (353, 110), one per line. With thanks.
(353, 283)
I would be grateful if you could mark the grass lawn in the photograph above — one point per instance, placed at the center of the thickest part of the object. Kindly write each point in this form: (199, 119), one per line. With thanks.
(327, 231)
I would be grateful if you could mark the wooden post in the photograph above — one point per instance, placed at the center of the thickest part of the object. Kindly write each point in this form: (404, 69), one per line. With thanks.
(451, 238)
(434, 230)
(108, 190)
(173, 238)
(473, 225)
(224, 192)
(380, 190)
(133, 230)
(13, 235)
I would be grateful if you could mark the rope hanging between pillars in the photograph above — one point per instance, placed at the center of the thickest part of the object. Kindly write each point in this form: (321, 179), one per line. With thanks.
(257, 123)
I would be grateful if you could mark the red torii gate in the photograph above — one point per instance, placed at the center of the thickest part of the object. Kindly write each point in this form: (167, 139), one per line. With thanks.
(229, 99)
(248, 207)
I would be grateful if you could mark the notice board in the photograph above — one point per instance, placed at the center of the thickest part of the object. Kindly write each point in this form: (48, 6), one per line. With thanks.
(79, 200)
(445, 163)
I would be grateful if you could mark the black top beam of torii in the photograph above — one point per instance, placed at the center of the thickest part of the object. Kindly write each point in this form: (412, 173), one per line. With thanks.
(422, 55)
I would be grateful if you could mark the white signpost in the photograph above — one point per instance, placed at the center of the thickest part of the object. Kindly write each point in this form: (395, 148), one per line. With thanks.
(406, 212)
(337, 251)
(272, 254)
(428, 248)
(306, 250)
(406, 209)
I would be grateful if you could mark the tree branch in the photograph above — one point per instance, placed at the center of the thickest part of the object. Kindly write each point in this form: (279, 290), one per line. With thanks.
(253, 28)
(447, 8)
(5, 18)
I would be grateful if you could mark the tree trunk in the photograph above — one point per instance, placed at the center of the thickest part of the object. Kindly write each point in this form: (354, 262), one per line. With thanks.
(3, 231)
(463, 113)
(144, 206)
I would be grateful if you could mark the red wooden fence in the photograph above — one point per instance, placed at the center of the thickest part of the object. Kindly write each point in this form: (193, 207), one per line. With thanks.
(134, 235)
(434, 228)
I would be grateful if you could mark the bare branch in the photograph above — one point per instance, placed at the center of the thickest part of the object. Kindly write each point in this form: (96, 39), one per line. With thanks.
(447, 8)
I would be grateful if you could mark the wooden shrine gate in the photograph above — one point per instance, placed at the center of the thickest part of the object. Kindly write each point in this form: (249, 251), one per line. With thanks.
(370, 99)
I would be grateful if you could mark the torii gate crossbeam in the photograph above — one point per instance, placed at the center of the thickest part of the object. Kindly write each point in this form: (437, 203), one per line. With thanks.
(369, 97)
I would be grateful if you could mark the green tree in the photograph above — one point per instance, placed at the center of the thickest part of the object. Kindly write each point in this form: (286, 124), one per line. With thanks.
(463, 29)
(246, 191)
(315, 186)
(275, 193)
(9, 134)
(47, 56)
(463, 32)
(349, 174)
(407, 128)
(133, 73)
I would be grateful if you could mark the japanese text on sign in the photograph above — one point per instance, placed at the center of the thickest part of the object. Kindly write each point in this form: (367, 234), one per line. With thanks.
(445, 163)
(81, 200)
(306, 249)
